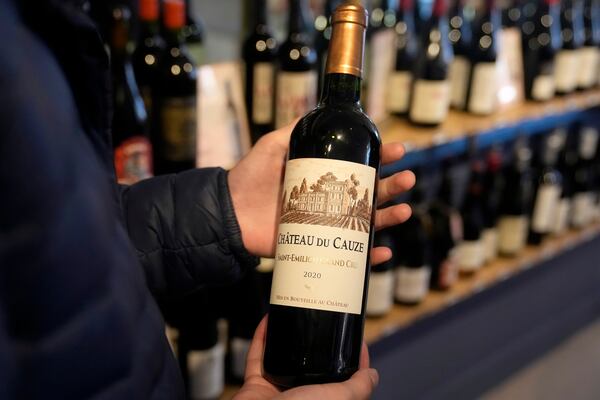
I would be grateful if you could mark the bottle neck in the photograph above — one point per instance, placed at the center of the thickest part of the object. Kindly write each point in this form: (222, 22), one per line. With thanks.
(260, 13)
(341, 89)
(297, 25)
(149, 28)
(174, 36)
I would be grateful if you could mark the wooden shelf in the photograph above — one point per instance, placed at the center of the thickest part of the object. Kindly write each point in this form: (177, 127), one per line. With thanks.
(496, 271)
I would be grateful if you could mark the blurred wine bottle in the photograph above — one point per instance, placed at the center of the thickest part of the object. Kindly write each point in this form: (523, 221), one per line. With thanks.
(323, 34)
(566, 165)
(583, 182)
(567, 59)
(193, 32)
(471, 252)
(460, 68)
(493, 185)
(380, 296)
(589, 55)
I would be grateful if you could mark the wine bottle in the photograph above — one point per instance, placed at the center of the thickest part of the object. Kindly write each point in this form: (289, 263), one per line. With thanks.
(471, 252)
(132, 148)
(583, 182)
(260, 57)
(589, 55)
(567, 161)
(323, 30)
(296, 89)
(511, 13)
(175, 148)
(193, 32)
(482, 92)
(398, 92)
(146, 56)
(513, 223)
(414, 265)
(431, 91)
(548, 188)
(460, 68)
(567, 59)
(541, 40)
(319, 288)
(446, 233)
(493, 184)
(380, 296)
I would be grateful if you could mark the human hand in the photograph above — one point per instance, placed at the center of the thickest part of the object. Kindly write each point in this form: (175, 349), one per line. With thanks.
(256, 387)
(255, 184)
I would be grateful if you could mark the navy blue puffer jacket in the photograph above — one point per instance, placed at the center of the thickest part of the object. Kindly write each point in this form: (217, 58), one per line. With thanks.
(80, 257)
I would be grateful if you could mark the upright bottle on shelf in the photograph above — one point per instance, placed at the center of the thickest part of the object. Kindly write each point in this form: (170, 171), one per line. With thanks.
(540, 33)
(567, 59)
(446, 233)
(175, 138)
(193, 32)
(146, 57)
(400, 83)
(548, 188)
(513, 223)
(296, 89)
(471, 252)
(323, 29)
(584, 196)
(260, 56)
(483, 89)
(460, 68)
(380, 298)
(493, 185)
(431, 90)
(567, 161)
(132, 148)
(589, 55)
(319, 287)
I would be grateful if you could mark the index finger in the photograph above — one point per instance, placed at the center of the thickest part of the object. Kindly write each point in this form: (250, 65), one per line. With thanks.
(392, 152)
(256, 351)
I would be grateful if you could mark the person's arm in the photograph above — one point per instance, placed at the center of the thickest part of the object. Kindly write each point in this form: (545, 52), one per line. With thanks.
(185, 231)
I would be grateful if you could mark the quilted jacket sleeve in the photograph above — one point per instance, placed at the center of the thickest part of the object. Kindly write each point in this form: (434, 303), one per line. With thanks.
(184, 229)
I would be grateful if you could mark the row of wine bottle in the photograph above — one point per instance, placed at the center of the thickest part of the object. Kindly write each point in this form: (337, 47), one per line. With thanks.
(506, 206)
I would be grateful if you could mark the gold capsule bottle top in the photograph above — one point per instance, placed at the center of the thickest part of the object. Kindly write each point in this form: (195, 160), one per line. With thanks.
(346, 47)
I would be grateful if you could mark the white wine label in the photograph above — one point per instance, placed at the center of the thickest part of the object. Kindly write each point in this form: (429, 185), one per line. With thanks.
(562, 217)
(430, 101)
(412, 284)
(484, 88)
(323, 238)
(133, 160)
(588, 66)
(543, 87)
(565, 70)
(458, 74)
(381, 293)
(296, 95)
(179, 129)
(490, 244)
(588, 142)
(206, 370)
(583, 205)
(512, 234)
(546, 202)
(239, 353)
(398, 91)
(471, 255)
(262, 93)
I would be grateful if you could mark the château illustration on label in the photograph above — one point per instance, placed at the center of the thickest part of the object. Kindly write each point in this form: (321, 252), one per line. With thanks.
(319, 289)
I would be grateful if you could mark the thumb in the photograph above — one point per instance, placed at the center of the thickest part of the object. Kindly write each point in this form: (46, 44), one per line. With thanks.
(362, 383)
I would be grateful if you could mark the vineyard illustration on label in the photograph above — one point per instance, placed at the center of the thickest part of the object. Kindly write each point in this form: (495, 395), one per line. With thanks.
(328, 201)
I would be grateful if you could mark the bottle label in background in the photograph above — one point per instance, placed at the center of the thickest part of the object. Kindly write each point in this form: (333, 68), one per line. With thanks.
(490, 244)
(206, 371)
(296, 95)
(412, 284)
(458, 75)
(448, 270)
(262, 93)
(546, 202)
(512, 234)
(561, 220)
(178, 120)
(398, 91)
(323, 238)
(133, 160)
(588, 142)
(565, 70)
(381, 293)
(470, 255)
(430, 101)
(583, 205)
(483, 88)
(239, 353)
(543, 87)
(588, 66)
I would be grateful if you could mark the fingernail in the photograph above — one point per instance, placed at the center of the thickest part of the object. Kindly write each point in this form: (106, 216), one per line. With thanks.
(374, 375)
